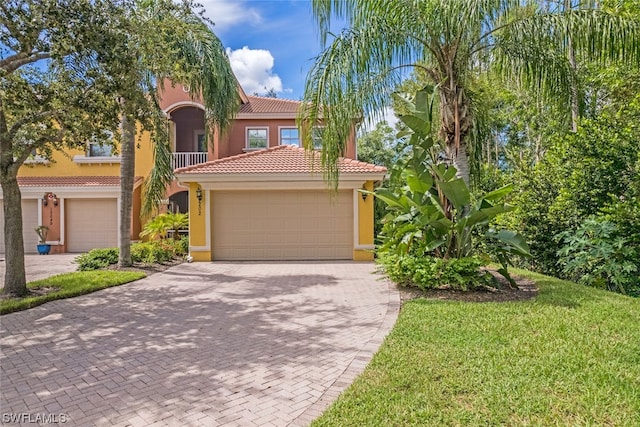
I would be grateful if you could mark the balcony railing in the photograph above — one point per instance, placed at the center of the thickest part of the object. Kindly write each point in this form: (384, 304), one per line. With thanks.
(181, 160)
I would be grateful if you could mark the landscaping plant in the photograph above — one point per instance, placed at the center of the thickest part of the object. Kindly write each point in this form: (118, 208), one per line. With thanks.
(161, 225)
(154, 252)
(431, 213)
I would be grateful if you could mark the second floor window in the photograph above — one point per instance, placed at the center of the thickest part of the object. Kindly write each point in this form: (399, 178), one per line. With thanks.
(316, 137)
(257, 138)
(289, 136)
(100, 150)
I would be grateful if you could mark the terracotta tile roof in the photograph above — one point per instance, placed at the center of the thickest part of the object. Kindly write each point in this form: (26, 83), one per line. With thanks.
(263, 105)
(276, 160)
(71, 181)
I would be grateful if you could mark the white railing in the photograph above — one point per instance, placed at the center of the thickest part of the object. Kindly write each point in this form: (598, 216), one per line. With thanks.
(181, 160)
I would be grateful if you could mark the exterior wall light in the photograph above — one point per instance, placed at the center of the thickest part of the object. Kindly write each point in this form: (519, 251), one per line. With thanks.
(50, 197)
(364, 195)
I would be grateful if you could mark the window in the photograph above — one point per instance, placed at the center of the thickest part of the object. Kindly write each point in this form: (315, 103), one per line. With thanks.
(200, 140)
(257, 138)
(316, 137)
(289, 136)
(100, 150)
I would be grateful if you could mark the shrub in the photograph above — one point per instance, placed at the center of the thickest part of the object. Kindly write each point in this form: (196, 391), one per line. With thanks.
(596, 255)
(425, 272)
(162, 224)
(97, 258)
(156, 252)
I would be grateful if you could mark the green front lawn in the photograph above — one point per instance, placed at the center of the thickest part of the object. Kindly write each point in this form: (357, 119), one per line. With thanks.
(570, 357)
(69, 285)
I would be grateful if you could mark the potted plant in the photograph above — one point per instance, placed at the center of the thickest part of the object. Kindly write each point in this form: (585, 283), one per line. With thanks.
(42, 232)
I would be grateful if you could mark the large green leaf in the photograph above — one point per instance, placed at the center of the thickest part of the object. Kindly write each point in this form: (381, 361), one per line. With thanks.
(499, 193)
(389, 197)
(515, 242)
(457, 192)
(420, 184)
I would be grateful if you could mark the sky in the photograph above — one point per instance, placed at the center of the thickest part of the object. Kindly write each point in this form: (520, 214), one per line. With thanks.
(271, 43)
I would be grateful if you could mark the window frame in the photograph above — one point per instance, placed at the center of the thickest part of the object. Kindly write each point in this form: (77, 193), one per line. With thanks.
(314, 138)
(280, 139)
(109, 147)
(247, 139)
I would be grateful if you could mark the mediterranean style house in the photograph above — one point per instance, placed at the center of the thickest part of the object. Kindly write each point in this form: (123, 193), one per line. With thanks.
(252, 193)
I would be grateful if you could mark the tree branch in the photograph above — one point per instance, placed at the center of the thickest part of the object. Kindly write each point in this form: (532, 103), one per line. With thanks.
(14, 62)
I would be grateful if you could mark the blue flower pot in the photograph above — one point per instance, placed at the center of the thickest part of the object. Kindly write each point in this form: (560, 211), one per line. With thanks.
(43, 249)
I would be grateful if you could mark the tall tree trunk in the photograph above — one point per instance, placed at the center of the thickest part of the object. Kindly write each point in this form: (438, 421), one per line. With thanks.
(454, 127)
(575, 100)
(15, 282)
(127, 177)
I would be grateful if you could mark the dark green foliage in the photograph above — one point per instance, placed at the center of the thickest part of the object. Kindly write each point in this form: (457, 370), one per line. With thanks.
(430, 210)
(156, 252)
(97, 258)
(597, 255)
(426, 272)
(593, 173)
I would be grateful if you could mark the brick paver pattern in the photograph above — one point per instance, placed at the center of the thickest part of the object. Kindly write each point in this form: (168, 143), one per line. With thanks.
(202, 344)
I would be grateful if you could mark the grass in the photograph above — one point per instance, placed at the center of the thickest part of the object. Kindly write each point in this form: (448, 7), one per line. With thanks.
(570, 357)
(69, 285)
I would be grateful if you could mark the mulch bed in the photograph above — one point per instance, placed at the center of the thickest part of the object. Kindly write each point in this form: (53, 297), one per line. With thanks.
(147, 268)
(502, 293)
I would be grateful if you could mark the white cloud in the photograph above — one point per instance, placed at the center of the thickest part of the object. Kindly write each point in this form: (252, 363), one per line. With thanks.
(227, 13)
(254, 70)
(384, 115)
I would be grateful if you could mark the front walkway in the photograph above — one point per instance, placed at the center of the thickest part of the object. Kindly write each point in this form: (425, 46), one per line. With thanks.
(203, 344)
(42, 266)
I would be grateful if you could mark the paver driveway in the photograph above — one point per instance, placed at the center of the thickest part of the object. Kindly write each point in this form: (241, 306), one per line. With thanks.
(199, 344)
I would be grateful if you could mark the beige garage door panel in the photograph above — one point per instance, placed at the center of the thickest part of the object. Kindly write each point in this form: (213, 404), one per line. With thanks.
(91, 223)
(282, 225)
(29, 222)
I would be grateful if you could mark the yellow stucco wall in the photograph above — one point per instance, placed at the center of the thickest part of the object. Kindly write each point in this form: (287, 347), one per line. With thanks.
(365, 225)
(198, 219)
(62, 164)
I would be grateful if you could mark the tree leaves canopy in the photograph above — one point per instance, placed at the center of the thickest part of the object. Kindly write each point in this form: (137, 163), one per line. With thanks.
(450, 41)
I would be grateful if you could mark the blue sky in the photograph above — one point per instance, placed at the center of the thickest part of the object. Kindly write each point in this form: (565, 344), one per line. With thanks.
(271, 43)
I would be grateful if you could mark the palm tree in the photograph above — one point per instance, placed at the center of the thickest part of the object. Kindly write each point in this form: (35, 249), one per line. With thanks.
(171, 41)
(450, 42)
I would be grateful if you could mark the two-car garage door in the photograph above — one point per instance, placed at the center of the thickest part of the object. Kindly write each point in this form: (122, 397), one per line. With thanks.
(282, 225)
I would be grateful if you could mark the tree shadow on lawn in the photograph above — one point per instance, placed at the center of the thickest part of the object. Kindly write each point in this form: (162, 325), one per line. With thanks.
(183, 345)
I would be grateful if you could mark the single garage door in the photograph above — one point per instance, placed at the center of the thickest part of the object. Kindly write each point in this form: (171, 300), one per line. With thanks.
(282, 225)
(29, 222)
(91, 223)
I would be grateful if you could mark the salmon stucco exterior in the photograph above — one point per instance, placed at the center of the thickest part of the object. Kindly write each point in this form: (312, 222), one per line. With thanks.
(251, 192)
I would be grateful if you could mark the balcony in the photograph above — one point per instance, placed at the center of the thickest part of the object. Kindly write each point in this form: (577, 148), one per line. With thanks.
(182, 160)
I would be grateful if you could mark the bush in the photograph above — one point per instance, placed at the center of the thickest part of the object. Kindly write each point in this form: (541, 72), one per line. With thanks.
(424, 272)
(596, 255)
(97, 258)
(156, 252)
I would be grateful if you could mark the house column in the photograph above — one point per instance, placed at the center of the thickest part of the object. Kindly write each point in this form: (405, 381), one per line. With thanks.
(199, 222)
(363, 227)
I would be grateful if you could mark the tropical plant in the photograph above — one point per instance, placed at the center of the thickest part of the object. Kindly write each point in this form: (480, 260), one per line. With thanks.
(451, 42)
(162, 224)
(168, 40)
(596, 255)
(42, 231)
(433, 214)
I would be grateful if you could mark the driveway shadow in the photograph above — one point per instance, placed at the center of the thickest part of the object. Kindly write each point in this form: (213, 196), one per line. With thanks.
(208, 341)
